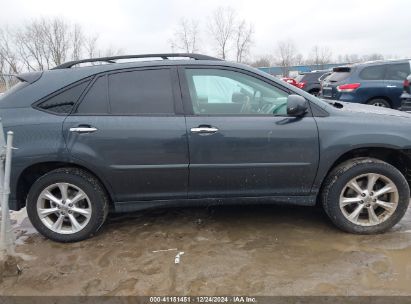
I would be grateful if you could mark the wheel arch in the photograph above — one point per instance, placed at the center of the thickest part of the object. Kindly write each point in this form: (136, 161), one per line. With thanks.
(399, 158)
(31, 173)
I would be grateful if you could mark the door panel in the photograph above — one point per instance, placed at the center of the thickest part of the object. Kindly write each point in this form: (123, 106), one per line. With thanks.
(140, 157)
(253, 156)
(128, 127)
(241, 142)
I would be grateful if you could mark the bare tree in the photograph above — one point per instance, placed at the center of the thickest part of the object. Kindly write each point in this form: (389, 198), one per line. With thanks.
(320, 56)
(31, 45)
(110, 51)
(44, 43)
(286, 53)
(58, 39)
(77, 41)
(243, 39)
(299, 59)
(371, 57)
(349, 58)
(8, 53)
(90, 46)
(186, 36)
(263, 61)
(222, 29)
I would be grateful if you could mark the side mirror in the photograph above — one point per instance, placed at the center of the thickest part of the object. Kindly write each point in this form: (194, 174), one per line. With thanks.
(296, 105)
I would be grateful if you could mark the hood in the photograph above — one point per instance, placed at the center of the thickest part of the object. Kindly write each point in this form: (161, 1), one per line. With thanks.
(366, 109)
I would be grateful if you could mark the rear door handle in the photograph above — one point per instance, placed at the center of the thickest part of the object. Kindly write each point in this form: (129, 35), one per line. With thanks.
(204, 130)
(391, 86)
(83, 129)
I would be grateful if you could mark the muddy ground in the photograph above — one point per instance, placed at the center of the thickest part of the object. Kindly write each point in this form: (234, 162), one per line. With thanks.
(254, 250)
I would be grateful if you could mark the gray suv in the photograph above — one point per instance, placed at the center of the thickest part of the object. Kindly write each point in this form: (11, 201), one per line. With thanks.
(136, 133)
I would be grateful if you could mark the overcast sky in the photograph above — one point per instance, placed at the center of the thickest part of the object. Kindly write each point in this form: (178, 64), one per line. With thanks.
(346, 27)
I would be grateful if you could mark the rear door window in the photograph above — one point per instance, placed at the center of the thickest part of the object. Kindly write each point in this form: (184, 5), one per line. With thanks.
(374, 72)
(141, 92)
(398, 71)
(96, 99)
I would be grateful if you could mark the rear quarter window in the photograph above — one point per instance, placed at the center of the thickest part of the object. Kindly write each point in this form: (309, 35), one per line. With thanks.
(63, 101)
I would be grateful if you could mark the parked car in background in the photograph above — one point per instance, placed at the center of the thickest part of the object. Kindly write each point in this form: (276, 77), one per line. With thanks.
(122, 137)
(378, 83)
(290, 80)
(406, 95)
(310, 81)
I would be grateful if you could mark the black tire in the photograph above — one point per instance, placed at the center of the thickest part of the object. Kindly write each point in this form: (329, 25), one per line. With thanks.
(337, 179)
(379, 102)
(88, 184)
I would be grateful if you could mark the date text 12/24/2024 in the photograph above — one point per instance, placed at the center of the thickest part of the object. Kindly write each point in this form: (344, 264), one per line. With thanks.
(203, 299)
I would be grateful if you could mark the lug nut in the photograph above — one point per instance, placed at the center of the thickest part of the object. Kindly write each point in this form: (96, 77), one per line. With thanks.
(363, 194)
(70, 205)
(70, 212)
(372, 193)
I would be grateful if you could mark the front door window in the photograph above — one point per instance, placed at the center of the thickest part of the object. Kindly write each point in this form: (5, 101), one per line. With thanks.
(223, 92)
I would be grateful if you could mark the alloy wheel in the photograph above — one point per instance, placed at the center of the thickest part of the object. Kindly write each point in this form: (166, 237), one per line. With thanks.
(64, 208)
(369, 199)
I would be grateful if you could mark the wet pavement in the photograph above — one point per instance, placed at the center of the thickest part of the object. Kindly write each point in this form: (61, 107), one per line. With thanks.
(252, 250)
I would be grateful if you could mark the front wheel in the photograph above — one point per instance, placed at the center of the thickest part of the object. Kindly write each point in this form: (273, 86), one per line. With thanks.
(365, 196)
(67, 205)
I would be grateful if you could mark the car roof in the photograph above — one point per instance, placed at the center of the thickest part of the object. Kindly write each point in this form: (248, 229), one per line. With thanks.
(378, 62)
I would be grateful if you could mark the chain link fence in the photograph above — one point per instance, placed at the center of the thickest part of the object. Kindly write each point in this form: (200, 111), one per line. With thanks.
(6, 82)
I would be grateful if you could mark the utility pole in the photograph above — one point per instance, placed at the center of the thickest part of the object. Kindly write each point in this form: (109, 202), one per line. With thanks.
(6, 237)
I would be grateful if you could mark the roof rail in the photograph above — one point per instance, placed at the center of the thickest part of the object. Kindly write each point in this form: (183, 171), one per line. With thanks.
(112, 59)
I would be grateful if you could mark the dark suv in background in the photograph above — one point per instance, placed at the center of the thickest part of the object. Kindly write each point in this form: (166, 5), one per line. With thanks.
(376, 83)
(310, 81)
(123, 137)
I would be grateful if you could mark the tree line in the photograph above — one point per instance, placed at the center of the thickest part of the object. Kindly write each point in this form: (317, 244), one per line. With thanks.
(47, 42)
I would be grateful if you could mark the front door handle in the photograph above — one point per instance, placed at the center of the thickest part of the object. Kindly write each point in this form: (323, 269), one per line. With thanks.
(83, 129)
(391, 86)
(204, 130)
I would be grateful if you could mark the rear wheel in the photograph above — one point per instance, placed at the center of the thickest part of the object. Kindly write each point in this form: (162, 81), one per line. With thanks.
(67, 205)
(365, 196)
(379, 102)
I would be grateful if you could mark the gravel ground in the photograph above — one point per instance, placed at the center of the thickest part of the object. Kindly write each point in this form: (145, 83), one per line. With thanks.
(253, 250)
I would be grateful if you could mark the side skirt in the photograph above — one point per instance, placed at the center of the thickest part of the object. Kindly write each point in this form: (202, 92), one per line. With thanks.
(123, 207)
